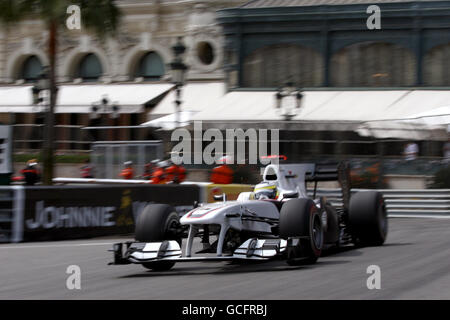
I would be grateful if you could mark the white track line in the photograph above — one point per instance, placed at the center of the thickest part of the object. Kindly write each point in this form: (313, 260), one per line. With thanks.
(58, 245)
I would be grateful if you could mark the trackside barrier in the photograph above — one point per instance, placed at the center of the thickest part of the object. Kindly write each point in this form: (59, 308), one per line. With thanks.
(11, 214)
(402, 202)
(69, 212)
(207, 189)
(399, 201)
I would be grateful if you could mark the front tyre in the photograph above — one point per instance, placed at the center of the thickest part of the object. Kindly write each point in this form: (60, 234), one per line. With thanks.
(159, 265)
(157, 222)
(300, 220)
(368, 218)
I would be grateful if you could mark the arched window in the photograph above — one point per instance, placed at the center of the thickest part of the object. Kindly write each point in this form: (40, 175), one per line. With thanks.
(373, 64)
(273, 66)
(90, 68)
(151, 67)
(436, 66)
(31, 69)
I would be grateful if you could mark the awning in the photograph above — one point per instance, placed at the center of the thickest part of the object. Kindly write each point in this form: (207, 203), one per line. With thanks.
(437, 116)
(433, 124)
(170, 121)
(322, 109)
(408, 130)
(131, 98)
(195, 97)
(16, 99)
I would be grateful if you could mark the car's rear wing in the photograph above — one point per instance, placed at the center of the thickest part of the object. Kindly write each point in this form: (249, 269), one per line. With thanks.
(323, 172)
(338, 171)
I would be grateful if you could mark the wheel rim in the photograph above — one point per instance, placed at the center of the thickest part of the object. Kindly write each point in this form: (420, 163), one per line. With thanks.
(317, 235)
(170, 229)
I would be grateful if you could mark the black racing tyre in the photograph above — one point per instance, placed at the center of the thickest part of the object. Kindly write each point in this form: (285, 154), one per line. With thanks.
(301, 218)
(159, 265)
(157, 223)
(331, 235)
(368, 218)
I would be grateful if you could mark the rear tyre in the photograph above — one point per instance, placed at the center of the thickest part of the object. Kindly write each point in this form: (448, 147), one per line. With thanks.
(300, 218)
(368, 218)
(331, 235)
(157, 222)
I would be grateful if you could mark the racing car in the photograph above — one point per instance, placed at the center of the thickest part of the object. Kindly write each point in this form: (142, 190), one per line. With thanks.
(276, 221)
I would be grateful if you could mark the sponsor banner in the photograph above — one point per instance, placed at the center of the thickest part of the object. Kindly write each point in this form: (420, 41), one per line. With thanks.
(68, 212)
(231, 190)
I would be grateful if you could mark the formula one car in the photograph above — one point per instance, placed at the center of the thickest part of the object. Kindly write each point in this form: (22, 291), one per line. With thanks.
(277, 220)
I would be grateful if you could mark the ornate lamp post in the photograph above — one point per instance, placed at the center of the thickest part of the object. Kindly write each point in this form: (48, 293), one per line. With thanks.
(41, 96)
(178, 70)
(42, 84)
(104, 106)
(289, 110)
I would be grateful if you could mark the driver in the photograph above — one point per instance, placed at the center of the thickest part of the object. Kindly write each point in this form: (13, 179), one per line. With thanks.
(266, 190)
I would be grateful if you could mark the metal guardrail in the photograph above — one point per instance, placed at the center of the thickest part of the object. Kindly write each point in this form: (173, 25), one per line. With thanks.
(67, 137)
(402, 202)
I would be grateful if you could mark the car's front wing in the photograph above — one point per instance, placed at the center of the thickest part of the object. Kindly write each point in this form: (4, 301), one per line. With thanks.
(139, 252)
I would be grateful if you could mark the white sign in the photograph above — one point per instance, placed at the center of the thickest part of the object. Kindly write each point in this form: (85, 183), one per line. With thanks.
(71, 217)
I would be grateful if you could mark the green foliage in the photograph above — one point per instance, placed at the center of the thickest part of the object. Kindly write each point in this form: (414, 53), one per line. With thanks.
(99, 16)
(65, 158)
(441, 179)
(10, 11)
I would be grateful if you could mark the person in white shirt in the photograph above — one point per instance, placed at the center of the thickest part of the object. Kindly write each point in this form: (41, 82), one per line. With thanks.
(446, 152)
(411, 151)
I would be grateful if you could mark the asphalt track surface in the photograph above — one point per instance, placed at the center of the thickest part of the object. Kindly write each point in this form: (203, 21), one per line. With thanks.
(414, 262)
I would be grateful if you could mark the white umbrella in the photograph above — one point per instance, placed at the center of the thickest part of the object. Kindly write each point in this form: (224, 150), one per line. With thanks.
(169, 122)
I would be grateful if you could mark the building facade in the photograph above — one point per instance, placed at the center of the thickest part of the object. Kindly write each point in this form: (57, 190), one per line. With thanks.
(139, 53)
(326, 43)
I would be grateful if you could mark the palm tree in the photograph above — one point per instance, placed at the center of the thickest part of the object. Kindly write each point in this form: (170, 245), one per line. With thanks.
(99, 16)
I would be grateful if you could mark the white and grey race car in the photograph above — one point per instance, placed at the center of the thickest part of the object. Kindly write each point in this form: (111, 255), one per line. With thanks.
(293, 226)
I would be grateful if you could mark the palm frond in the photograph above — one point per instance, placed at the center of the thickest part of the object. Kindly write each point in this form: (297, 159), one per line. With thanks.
(100, 16)
(13, 11)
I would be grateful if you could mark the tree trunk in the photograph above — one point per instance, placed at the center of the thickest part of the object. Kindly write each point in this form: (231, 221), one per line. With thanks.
(48, 156)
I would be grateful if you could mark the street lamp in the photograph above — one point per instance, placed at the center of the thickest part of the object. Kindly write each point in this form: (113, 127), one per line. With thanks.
(42, 84)
(104, 106)
(178, 70)
(41, 95)
(295, 96)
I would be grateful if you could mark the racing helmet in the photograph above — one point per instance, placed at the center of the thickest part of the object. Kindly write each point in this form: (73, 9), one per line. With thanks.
(266, 190)
(163, 164)
(128, 163)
